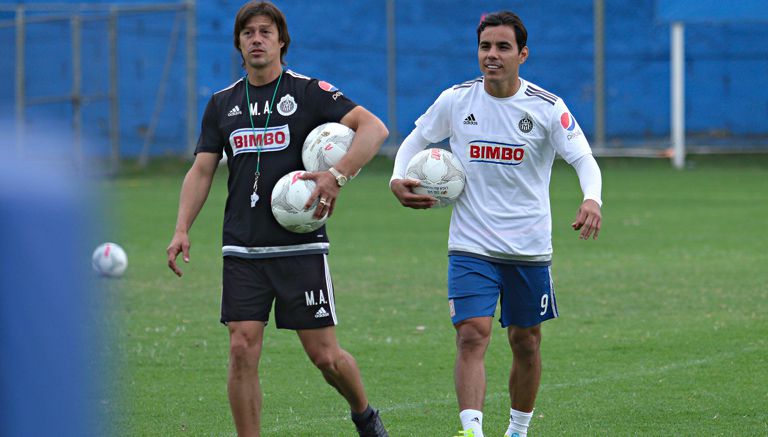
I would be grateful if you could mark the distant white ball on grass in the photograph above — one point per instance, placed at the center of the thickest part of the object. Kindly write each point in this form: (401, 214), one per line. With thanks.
(325, 146)
(109, 259)
(440, 174)
(288, 199)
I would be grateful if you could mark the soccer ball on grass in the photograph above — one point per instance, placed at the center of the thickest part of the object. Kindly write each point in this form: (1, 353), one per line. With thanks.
(440, 175)
(109, 259)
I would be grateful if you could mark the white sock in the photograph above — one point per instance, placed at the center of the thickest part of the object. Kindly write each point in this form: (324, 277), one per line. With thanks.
(518, 422)
(472, 419)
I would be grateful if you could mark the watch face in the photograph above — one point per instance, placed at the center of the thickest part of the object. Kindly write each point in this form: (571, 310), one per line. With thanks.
(340, 178)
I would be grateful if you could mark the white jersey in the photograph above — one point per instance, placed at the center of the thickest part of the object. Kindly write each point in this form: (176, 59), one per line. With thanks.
(507, 147)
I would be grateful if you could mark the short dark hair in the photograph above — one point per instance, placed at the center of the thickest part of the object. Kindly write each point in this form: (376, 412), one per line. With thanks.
(254, 8)
(505, 18)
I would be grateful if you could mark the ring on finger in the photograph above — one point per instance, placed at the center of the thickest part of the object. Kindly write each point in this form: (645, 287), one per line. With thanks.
(323, 201)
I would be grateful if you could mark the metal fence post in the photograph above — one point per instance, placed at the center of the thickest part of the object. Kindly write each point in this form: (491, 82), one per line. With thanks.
(77, 98)
(678, 94)
(114, 101)
(191, 75)
(392, 72)
(599, 69)
(20, 81)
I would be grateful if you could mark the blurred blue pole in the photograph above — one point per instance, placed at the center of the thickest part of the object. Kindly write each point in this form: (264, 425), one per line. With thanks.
(47, 385)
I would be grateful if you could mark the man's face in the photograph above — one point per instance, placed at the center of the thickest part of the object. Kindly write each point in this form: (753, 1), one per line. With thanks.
(260, 42)
(498, 54)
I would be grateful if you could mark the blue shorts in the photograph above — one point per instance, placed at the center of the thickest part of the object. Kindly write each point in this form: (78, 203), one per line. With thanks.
(475, 285)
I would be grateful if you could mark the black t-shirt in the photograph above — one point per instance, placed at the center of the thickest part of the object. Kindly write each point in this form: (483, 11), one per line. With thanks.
(301, 104)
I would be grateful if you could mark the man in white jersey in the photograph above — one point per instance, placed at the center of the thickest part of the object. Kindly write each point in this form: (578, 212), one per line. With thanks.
(505, 131)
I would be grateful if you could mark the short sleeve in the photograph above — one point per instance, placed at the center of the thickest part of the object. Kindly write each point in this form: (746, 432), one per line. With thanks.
(329, 102)
(210, 139)
(435, 124)
(566, 135)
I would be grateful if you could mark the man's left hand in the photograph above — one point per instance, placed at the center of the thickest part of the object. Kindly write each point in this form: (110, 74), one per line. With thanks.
(588, 220)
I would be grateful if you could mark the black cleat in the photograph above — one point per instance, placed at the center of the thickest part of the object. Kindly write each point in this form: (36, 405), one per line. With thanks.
(373, 427)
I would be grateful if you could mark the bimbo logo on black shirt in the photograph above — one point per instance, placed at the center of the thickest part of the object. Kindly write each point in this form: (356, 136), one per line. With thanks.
(248, 140)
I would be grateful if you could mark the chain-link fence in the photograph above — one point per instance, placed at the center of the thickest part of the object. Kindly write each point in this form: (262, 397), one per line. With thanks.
(67, 61)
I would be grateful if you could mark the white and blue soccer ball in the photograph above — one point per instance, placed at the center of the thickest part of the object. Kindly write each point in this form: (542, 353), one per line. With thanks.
(109, 259)
(325, 145)
(289, 196)
(440, 174)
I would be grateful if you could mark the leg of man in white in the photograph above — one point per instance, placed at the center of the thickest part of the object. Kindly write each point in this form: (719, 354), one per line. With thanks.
(525, 375)
(518, 423)
(472, 338)
(245, 342)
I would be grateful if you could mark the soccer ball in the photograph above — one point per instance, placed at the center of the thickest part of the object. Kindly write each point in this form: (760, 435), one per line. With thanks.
(288, 199)
(325, 146)
(109, 259)
(440, 174)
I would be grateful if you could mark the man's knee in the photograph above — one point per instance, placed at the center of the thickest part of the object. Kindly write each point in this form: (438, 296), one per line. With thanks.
(326, 359)
(244, 349)
(472, 335)
(525, 341)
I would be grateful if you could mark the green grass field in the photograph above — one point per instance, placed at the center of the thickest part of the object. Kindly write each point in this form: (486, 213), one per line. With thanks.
(663, 326)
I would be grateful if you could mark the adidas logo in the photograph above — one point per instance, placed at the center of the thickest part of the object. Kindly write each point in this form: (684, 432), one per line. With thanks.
(234, 111)
(475, 419)
(470, 120)
(322, 313)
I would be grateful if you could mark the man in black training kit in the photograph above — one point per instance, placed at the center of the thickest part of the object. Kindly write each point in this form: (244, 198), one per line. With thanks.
(260, 122)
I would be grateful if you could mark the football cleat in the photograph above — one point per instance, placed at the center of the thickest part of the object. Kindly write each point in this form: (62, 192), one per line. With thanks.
(374, 427)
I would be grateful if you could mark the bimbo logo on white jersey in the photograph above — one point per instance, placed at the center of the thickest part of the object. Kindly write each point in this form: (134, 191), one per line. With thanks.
(493, 152)
(248, 140)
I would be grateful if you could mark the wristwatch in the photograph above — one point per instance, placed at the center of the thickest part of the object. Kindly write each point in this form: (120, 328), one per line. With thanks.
(340, 178)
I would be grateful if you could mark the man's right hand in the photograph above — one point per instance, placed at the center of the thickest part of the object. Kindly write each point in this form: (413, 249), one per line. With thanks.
(179, 244)
(403, 190)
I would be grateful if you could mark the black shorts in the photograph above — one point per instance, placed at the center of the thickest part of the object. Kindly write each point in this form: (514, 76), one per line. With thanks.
(300, 286)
